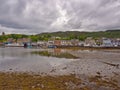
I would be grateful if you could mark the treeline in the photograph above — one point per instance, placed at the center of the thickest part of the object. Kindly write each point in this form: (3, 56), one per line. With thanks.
(64, 35)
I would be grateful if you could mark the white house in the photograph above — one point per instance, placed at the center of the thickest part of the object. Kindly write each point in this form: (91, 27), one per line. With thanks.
(81, 43)
(116, 42)
(107, 42)
(66, 43)
(90, 42)
(50, 42)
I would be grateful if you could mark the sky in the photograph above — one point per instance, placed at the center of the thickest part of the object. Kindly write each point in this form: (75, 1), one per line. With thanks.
(37, 16)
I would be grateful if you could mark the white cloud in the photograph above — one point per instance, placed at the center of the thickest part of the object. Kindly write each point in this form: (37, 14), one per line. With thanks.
(62, 19)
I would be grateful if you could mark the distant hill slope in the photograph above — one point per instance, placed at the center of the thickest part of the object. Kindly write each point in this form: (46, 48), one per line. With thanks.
(67, 35)
(107, 33)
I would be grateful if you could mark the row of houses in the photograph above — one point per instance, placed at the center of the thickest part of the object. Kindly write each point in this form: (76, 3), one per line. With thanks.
(107, 42)
(20, 41)
(102, 42)
(17, 43)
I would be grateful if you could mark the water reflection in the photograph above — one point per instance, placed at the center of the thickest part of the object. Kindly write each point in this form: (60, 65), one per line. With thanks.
(59, 53)
(21, 60)
(13, 52)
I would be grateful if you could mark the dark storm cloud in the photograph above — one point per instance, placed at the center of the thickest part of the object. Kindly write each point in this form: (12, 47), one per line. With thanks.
(35, 16)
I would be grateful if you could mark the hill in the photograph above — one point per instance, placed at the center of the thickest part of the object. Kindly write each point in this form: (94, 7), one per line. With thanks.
(83, 35)
(67, 35)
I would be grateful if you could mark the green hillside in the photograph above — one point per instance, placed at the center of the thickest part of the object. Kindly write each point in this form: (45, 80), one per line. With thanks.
(83, 35)
(67, 35)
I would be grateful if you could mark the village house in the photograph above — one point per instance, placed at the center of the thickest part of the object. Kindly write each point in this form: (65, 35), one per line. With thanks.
(57, 42)
(26, 40)
(115, 42)
(23, 40)
(81, 43)
(42, 43)
(107, 42)
(20, 41)
(12, 43)
(75, 42)
(90, 42)
(51, 44)
(118, 41)
(11, 40)
(98, 41)
(33, 44)
(66, 43)
(60, 42)
(1, 44)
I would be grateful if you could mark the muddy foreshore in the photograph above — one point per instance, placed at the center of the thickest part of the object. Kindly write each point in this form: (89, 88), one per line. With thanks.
(27, 81)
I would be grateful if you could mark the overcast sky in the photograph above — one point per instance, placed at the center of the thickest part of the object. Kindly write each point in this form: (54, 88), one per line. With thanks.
(36, 16)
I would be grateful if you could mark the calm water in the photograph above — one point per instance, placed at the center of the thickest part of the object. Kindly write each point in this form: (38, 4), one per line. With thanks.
(87, 62)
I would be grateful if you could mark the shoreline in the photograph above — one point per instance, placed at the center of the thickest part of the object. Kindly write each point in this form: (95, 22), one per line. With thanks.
(70, 47)
(87, 47)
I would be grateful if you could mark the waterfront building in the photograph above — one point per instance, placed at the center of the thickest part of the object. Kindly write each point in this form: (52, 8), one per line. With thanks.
(42, 43)
(75, 42)
(57, 42)
(115, 42)
(81, 43)
(107, 42)
(11, 40)
(66, 43)
(90, 42)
